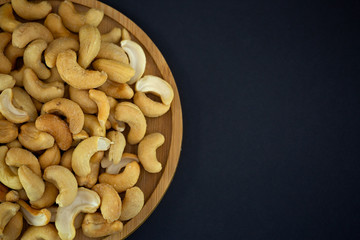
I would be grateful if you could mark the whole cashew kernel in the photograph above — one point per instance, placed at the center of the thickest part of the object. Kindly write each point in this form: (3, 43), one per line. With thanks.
(65, 181)
(149, 107)
(50, 157)
(9, 111)
(22, 101)
(125, 35)
(132, 203)
(48, 198)
(32, 58)
(8, 131)
(116, 150)
(8, 23)
(137, 58)
(7, 211)
(13, 53)
(147, 152)
(112, 51)
(116, 125)
(33, 185)
(17, 157)
(66, 159)
(126, 158)
(55, 76)
(18, 76)
(81, 97)
(110, 201)
(8, 177)
(27, 32)
(14, 227)
(117, 90)
(31, 11)
(6, 81)
(117, 71)
(54, 23)
(103, 105)
(91, 179)
(94, 226)
(92, 126)
(46, 232)
(34, 139)
(33, 216)
(90, 41)
(113, 36)
(57, 46)
(5, 64)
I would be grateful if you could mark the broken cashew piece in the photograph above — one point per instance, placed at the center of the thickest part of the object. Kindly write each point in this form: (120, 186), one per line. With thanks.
(57, 46)
(103, 105)
(54, 23)
(113, 36)
(22, 100)
(8, 131)
(117, 90)
(86, 201)
(31, 11)
(147, 152)
(27, 32)
(90, 41)
(116, 150)
(8, 23)
(81, 97)
(17, 157)
(126, 158)
(9, 111)
(33, 216)
(50, 157)
(7, 177)
(33, 185)
(14, 227)
(94, 226)
(132, 203)
(117, 71)
(32, 58)
(137, 58)
(7, 211)
(34, 139)
(48, 198)
(47, 232)
(5, 64)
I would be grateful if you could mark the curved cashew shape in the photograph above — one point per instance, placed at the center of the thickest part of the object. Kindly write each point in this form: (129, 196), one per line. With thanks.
(51, 156)
(149, 107)
(103, 105)
(83, 152)
(132, 203)
(94, 226)
(113, 36)
(86, 201)
(8, 131)
(56, 127)
(5, 64)
(70, 109)
(18, 76)
(147, 152)
(54, 23)
(91, 179)
(33, 139)
(65, 181)
(48, 198)
(116, 125)
(66, 159)
(13, 53)
(125, 160)
(132, 115)
(57, 46)
(8, 23)
(117, 90)
(117, 71)
(31, 11)
(22, 100)
(6, 81)
(110, 201)
(81, 97)
(14, 227)
(125, 35)
(8, 177)
(157, 86)
(34, 217)
(17, 157)
(7, 211)
(27, 32)
(116, 150)
(92, 126)
(33, 185)
(76, 76)
(90, 41)
(47, 232)
(9, 111)
(74, 20)
(124, 180)
(32, 58)
(55, 76)
(137, 58)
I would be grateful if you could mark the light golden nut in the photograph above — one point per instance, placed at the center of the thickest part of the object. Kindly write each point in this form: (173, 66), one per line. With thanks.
(12, 53)
(6, 81)
(12, 196)
(31, 11)
(32, 58)
(157, 86)
(38, 105)
(14, 227)
(94, 226)
(50, 157)
(77, 138)
(125, 35)
(117, 90)
(5, 64)
(48, 198)
(92, 126)
(55, 76)
(7, 211)
(81, 97)
(27, 32)
(112, 168)
(90, 41)
(14, 143)
(22, 194)
(9, 111)
(8, 23)
(57, 46)
(22, 100)
(131, 114)
(54, 23)
(116, 150)
(103, 105)
(86, 201)
(112, 51)
(149, 107)
(115, 124)
(33, 216)
(18, 76)
(34, 139)
(76, 76)
(8, 177)
(33, 185)
(66, 159)
(8, 131)
(56, 127)
(147, 152)
(83, 152)
(110, 201)
(70, 109)
(122, 181)
(90, 180)
(132, 203)
(117, 71)
(137, 58)
(65, 181)
(17, 157)
(47, 232)
(112, 36)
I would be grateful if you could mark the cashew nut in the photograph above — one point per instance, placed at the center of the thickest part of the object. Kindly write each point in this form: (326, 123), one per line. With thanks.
(117, 71)
(8, 131)
(124, 180)
(57, 46)
(116, 125)
(149, 107)
(132, 203)
(54, 23)
(51, 156)
(147, 152)
(7, 20)
(125, 35)
(77, 138)
(110, 201)
(76, 76)
(86, 201)
(33, 185)
(3, 192)
(92, 126)
(137, 58)
(65, 181)
(116, 150)
(77, 221)
(83, 152)
(12, 196)
(31, 11)
(27, 32)
(22, 194)
(22, 101)
(91, 179)
(47, 232)
(57, 128)
(117, 90)
(126, 158)
(113, 36)
(131, 114)
(81, 97)
(48, 198)
(5, 64)
(94, 226)
(33, 216)
(32, 58)
(7, 177)
(9, 111)
(14, 227)
(33, 139)
(102, 103)
(13, 144)
(17, 157)
(18, 76)
(66, 159)
(74, 20)
(113, 52)
(55, 76)
(6, 81)
(12, 53)
(90, 41)
(7, 211)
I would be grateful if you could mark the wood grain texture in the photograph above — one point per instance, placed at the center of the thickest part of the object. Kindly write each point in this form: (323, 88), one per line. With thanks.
(170, 125)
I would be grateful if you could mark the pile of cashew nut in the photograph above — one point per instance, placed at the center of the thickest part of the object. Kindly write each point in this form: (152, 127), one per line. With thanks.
(67, 93)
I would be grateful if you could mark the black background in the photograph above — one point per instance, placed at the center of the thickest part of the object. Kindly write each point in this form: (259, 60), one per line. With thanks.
(270, 93)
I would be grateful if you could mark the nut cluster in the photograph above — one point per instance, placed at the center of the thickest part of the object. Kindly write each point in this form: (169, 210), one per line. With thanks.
(67, 93)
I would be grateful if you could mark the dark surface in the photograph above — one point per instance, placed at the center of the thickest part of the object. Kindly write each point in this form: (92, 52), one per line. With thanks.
(270, 92)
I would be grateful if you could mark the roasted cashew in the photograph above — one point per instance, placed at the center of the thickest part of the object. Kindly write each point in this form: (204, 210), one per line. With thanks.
(125, 35)
(103, 105)
(131, 114)
(117, 90)
(7, 211)
(65, 181)
(55, 76)
(92, 126)
(14, 143)
(5, 64)
(91, 179)
(43, 92)
(77, 138)
(12, 196)
(8, 177)
(66, 159)
(22, 101)
(8, 131)
(57, 46)
(124, 180)
(81, 156)
(110, 201)
(54, 23)
(47, 232)
(116, 125)
(33, 185)
(7, 20)
(147, 152)
(90, 41)
(48, 198)
(27, 32)
(9, 111)
(76, 76)
(81, 97)
(31, 11)
(117, 71)
(57, 128)
(22, 195)
(112, 168)
(12, 53)
(16, 157)
(113, 36)
(86, 201)
(113, 52)
(137, 58)
(94, 226)
(14, 227)
(149, 107)
(116, 150)
(51, 156)
(34, 139)
(33, 216)
(18, 76)
(6, 81)
(132, 203)
(32, 58)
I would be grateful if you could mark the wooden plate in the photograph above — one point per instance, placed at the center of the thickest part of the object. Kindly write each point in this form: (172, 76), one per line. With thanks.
(170, 124)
